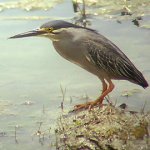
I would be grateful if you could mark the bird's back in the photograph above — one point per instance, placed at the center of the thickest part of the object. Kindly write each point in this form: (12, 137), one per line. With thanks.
(109, 58)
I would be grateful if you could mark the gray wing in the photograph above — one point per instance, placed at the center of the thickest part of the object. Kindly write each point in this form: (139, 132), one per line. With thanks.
(108, 57)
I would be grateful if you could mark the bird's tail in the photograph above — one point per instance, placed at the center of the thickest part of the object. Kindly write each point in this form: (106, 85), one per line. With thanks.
(140, 80)
(144, 84)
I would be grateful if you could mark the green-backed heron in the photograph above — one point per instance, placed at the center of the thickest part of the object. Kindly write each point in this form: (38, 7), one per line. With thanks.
(91, 51)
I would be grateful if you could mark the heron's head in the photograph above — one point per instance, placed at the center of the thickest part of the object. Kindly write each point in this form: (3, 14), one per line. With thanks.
(55, 30)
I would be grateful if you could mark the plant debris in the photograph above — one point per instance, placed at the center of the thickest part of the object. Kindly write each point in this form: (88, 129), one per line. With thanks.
(114, 7)
(29, 5)
(119, 10)
(106, 128)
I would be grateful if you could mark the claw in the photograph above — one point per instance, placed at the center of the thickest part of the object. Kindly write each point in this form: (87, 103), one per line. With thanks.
(88, 105)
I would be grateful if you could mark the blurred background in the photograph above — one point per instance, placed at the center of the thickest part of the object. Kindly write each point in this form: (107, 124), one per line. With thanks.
(37, 85)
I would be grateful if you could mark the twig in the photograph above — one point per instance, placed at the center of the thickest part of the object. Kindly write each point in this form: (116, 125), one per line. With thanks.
(43, 110)
(63, 96)
(16, 134)
(83, 9)
(143, 108)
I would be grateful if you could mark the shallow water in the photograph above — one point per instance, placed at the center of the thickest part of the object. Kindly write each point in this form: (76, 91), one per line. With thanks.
(32, 72)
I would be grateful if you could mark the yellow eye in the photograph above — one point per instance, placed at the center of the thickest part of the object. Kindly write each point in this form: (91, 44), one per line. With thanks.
(49, 29)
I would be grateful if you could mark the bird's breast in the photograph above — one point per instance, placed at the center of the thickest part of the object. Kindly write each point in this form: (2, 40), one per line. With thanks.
(67, 50)
(75, 54)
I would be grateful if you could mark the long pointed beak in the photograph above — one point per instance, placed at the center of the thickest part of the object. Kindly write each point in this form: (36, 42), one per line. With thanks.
(29, 33)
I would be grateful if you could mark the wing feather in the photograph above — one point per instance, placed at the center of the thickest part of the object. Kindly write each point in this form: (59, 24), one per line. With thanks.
(114, 62)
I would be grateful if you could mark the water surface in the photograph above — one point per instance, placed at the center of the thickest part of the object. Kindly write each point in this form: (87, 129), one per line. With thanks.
(32, 71)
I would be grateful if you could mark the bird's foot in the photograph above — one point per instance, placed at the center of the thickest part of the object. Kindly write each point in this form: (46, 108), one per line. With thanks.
(88, 105)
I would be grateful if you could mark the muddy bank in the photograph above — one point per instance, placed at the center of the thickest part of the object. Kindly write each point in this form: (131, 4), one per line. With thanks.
(104, 129)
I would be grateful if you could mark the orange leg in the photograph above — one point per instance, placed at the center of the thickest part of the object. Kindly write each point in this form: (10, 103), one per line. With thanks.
(104, 85)
(106, 92)
(99, 101)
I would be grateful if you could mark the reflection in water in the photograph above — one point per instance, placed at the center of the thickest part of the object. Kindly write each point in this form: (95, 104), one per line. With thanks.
(82, 18)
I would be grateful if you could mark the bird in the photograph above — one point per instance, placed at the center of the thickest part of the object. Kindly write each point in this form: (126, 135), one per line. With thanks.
(91, 51)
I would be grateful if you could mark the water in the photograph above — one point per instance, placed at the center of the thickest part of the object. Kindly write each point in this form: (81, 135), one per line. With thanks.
(32, 71)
